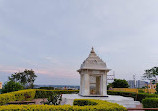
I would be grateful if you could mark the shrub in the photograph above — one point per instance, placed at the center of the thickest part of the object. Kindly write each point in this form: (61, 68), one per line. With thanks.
(150, 102)
(48, 88)
(84, 102)
(30, 94)
(93, 105)
(136, 96)
(17, 96)
(36, 108)
(54, 99)
(11, 86)
(41, 93)
(96, 105)
(157, 88)
(141, 91)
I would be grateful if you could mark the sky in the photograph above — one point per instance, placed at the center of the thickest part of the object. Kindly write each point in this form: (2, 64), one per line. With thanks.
(53, 37)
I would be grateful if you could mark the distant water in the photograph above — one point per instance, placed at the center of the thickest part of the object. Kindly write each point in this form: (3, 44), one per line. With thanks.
(57, 86)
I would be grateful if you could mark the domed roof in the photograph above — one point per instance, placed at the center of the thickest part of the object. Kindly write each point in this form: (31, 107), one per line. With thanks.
(94, 62)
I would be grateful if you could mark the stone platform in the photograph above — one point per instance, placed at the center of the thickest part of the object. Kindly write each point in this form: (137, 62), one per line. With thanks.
(127, 102)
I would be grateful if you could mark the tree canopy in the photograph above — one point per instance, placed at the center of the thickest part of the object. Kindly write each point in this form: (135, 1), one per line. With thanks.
(26, 78)
(151, 74)
(119, 83)
(11, 86)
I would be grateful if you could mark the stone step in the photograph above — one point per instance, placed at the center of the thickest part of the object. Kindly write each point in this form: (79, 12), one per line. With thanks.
(127, 102)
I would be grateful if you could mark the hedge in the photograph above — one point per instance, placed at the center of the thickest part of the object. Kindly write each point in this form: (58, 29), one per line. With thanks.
(136, 96)
(41, 93)
(92, 105)
(31, 94)
(150, 102)
(17, 96)
(83, 102)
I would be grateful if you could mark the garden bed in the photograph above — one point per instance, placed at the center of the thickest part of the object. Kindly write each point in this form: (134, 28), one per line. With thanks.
(79, 105)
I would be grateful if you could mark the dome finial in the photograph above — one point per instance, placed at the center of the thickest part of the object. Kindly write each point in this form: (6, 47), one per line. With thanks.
(92, 51)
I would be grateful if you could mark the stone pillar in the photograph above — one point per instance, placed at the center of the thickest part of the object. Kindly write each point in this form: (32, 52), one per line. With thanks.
(86, 84)
(104, 84)
(101, 85)
(82, 80)
(80, 92)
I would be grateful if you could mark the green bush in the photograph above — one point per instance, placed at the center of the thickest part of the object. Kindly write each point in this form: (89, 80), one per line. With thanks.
(17, 96)
(93, 105)
(84, 102)
(136, 96)
(96, 105)
(156, 88)
(141, 91)
(41, 93)
(31, 94)
(54, 100)
(150, 103)
(11, 86)
(47, 88)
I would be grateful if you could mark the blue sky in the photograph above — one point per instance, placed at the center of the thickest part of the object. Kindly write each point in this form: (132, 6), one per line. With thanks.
(53, 37)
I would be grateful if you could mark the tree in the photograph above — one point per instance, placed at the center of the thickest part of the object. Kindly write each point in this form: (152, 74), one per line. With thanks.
(156, 88)
(118, 83)
(26, 78)
(151, 74)
(11, 86)
(48, 88)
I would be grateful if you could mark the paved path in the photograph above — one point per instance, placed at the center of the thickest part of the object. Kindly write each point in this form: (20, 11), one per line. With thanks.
(40, 100)
(138, 106)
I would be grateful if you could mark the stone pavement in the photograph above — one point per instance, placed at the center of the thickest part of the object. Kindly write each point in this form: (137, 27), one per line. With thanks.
(40, 100)
(127, 102)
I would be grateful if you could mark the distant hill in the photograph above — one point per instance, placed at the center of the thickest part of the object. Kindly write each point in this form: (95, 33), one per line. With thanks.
(57, 86)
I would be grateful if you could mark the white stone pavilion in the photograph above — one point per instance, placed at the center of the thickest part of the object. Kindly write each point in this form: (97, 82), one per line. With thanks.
(93, 76)
(93, 84)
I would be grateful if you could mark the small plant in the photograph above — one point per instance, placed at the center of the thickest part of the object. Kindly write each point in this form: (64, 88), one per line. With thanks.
(54, 100)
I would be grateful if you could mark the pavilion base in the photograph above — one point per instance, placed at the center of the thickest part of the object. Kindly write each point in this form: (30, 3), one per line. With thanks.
(92, 95)
(127, 102)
